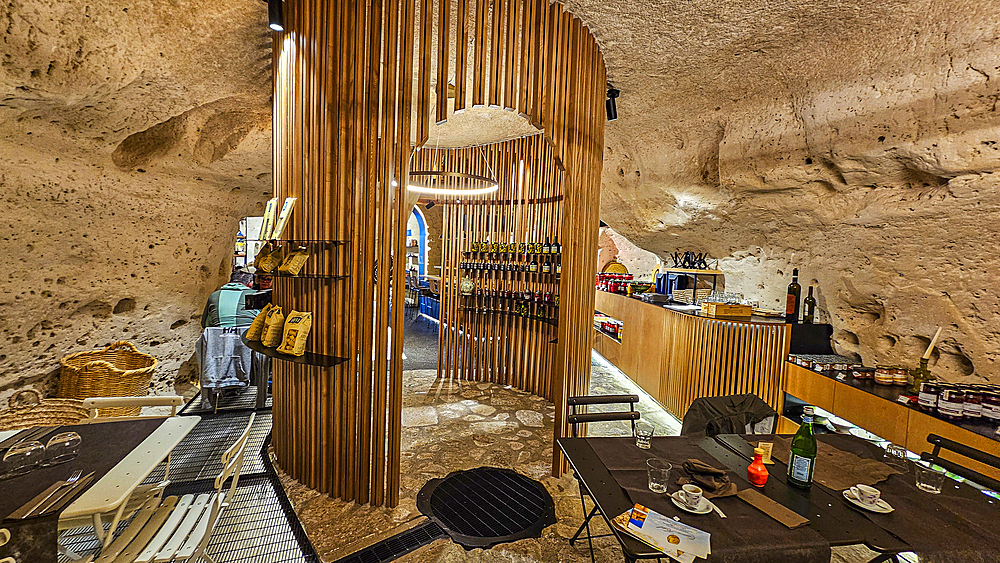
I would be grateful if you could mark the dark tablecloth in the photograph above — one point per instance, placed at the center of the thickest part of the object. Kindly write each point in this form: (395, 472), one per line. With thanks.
(960, 524)
(103, 446)
(746, 536)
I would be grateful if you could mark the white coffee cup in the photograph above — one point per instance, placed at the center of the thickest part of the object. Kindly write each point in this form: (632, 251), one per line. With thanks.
(690, 495)
(865, 494)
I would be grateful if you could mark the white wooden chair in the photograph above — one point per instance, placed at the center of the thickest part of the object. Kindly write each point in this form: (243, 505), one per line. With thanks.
(179, 529)
(142, 493)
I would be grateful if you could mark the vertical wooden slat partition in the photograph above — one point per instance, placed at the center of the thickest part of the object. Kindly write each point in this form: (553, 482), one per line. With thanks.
(345, 96)
(484, 337)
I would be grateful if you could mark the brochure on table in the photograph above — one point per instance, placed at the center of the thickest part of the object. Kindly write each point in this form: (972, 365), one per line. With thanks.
(675, 539)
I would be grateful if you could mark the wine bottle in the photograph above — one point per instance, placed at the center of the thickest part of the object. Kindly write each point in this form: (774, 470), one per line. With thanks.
(792, 298)
(533, 266)
(546, 266)
(556, 249)
(558, 266)
(802, 457)
(546, 248)
(809, 311)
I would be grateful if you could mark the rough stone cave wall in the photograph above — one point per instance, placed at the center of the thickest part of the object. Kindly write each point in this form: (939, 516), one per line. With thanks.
(882, 190)
(133, 137)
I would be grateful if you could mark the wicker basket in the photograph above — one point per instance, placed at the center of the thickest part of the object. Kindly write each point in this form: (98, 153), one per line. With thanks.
(27, 409)
(116, 371)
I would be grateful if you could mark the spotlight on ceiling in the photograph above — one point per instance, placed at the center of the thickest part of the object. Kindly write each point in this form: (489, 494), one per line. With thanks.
(609, 105)
(275, 17)
(429, 205)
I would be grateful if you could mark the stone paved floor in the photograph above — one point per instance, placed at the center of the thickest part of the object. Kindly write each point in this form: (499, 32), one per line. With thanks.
(452, 425)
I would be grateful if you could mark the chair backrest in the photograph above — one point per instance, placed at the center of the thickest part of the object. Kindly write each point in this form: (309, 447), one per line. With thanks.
(95, 404)
(575, 418)
(729, 414)
(965, 452)
(232, 464)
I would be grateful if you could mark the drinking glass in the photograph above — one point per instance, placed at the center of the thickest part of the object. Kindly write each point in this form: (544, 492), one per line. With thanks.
(895, 456)
(62, 447)
(659, 474)
(930, 478)
(23, 457)
(643, 434)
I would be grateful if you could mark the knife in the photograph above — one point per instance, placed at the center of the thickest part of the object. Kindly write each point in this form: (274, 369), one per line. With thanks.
(72, 479)
(31, 504)
(69, 494)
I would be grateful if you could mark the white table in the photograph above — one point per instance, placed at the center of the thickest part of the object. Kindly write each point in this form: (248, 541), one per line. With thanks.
(111, 493)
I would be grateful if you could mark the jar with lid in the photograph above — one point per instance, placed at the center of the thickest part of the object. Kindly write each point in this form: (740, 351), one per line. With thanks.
(863, 372)
(884, 375)
(928, 397)
(973, 405)
(991, 404)
(951, 402)
(900, 375)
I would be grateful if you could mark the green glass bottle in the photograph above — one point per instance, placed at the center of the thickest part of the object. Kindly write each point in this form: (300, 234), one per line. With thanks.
(809, 311)
(802, 458)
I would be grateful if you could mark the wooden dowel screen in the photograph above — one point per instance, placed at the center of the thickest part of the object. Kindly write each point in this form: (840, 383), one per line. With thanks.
(345, 94)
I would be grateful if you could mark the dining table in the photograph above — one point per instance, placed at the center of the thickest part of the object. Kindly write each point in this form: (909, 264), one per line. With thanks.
(120, 455)
(956, 525)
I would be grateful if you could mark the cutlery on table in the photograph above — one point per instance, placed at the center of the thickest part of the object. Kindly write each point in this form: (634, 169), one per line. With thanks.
(66, 492)
(34, 504)
(716, 508)
(69, 494)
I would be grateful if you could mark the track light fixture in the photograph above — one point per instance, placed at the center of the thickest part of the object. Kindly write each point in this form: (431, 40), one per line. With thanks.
(275, 15)
(610, 105)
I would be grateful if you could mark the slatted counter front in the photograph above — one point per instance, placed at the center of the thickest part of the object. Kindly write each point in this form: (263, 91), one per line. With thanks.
(677, 357)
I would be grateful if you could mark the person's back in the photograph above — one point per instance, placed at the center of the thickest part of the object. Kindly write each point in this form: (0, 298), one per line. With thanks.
(227, 305)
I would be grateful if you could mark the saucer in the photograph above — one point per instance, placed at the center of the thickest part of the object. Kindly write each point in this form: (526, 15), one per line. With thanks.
(864, 435)
(880, 507)
(704, 507)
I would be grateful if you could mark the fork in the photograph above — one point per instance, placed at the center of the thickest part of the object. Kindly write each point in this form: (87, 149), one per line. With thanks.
(72, 479)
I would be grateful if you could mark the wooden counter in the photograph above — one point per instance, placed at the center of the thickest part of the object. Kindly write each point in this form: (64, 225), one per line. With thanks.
(874, 408)
(677, 357)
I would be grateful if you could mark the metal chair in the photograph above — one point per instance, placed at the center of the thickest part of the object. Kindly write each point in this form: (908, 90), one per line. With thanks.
(729, 414)
(966, 452)
(576, 418)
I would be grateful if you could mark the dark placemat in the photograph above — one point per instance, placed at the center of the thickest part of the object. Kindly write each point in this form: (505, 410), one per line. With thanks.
(837, 469)
(746, 536)
(103, 445)
(960, 524)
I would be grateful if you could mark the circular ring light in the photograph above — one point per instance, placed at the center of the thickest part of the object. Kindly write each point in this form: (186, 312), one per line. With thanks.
(450, 183)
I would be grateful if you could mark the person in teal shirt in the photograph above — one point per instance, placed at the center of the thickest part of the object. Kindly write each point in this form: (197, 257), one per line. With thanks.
(227, 305)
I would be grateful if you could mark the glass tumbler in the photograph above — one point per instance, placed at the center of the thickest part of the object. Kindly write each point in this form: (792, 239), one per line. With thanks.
(643, 434)
(659, 474)
(23, 457)
(895, 456)
(930, 478)
(62, 447)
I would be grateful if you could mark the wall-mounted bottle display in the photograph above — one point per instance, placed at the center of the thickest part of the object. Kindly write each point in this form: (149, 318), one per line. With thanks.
(502, 271)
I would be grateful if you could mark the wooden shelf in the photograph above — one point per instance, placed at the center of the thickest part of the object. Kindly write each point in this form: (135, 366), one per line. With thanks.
(309, 358)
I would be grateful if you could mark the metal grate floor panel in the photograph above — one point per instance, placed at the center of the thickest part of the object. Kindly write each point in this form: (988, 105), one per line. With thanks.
(397, 546)
(486, 506)
(245, 401)
(198, 456)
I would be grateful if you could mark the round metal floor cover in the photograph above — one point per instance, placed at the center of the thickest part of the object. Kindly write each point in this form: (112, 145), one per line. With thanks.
(486, 506)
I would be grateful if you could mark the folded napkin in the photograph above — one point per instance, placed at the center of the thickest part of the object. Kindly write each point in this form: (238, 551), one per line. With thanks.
(713, 481)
